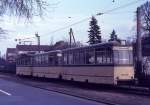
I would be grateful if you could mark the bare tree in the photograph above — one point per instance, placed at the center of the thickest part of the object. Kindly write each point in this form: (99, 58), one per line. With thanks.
(22, 8)
(2, 33)
(145, 18)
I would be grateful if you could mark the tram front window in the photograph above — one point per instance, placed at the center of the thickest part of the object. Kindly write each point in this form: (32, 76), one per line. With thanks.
(123, 57)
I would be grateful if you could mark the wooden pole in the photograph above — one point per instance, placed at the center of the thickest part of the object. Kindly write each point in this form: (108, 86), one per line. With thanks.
(139, 46)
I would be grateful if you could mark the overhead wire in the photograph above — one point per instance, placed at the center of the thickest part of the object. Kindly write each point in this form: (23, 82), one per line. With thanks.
(85, 19)
(98, 14)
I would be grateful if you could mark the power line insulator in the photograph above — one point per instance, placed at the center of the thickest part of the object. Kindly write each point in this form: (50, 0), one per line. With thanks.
(99, 13)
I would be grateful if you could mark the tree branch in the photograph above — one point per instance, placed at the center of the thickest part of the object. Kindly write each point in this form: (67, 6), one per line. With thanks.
(22, 8)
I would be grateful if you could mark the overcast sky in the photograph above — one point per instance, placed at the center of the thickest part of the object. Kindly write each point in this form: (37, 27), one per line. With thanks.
(122, 20)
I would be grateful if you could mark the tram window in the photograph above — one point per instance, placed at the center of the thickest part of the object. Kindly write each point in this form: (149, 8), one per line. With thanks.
(55, 60)
(28, 61)
(65, 58)
(76, 58)
(90, 57)
(51, 60)
(18, 61)
(108, 57)
(32, 60)
(46, 59)
(37, 60)
(70, 58)
(43, 59)
(104, 57)
(99, 57)
(40, 59)
(81, 57)
(123, 57)
(25, 61)
(131, 57)
(116, 57)
(22, 61)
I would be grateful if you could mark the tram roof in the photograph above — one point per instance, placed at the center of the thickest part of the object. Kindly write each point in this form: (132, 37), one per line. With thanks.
(103, 45)
(53, 51)
(106, 44)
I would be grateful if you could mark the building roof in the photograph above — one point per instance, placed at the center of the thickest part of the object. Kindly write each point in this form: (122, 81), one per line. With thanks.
(33, 48)
(11, 50)
(61, 45)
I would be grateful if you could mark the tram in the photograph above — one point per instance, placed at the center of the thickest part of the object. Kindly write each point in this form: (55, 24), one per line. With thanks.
(104, 63)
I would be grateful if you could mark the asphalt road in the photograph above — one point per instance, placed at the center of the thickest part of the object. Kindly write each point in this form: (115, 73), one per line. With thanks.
(12, 93)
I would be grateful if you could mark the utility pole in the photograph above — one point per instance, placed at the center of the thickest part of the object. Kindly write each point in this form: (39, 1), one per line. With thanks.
(71, 35)
(38, 38)
(139, 45)
(38, 41)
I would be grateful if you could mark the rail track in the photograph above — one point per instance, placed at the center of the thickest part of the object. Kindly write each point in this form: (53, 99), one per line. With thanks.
(75, 88)
(126, 89)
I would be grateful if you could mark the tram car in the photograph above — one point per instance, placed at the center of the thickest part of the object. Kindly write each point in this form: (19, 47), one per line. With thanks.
(104, 63)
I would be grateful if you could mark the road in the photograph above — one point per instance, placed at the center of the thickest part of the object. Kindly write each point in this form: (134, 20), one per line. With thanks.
(12, 93)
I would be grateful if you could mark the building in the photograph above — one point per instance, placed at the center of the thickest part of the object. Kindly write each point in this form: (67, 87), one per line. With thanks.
(11, 55)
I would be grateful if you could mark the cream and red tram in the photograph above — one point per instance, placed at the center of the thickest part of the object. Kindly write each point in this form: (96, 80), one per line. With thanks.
(105, 63)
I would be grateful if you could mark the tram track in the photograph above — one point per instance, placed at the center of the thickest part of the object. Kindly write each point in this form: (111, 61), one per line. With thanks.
(53, 89)
(127, 89)
(75, 89)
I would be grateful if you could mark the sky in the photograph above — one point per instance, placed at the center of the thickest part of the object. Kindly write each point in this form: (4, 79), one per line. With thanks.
(62, 13)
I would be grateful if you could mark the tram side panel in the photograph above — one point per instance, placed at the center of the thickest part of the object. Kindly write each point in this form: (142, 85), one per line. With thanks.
(102, 75)
(26, 71)
(47, 72)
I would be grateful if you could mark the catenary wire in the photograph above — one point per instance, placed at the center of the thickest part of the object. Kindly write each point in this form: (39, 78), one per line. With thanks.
(85, 19)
